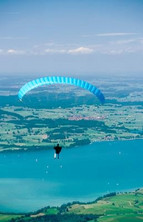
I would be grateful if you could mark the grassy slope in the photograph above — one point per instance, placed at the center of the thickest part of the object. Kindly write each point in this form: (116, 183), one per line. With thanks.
(119, 208)
(8, 217)
(122, 207)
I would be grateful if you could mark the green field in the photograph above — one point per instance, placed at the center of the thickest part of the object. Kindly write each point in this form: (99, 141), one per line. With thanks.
(121, 207)
(8, 217)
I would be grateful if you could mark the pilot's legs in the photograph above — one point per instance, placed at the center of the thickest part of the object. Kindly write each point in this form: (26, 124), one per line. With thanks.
(55, 155)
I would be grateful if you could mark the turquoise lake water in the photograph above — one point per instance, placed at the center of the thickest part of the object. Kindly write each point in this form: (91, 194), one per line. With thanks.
(32, 180)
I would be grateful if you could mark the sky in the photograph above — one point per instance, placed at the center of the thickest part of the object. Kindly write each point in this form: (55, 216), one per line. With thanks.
(78, 36)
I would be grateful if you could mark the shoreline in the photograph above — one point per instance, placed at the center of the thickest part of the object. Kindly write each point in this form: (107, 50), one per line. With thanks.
(24, 150)
(113, 193)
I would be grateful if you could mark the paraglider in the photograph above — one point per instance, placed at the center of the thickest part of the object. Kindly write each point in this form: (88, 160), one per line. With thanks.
(60, 80)
(57, 151)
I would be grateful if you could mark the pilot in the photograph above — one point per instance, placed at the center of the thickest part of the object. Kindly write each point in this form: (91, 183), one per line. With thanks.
(57, 151)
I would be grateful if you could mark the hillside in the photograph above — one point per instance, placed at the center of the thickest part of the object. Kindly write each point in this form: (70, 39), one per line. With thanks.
(113, 207)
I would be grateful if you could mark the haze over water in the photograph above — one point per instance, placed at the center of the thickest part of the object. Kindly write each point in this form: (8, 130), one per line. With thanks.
(33, 180)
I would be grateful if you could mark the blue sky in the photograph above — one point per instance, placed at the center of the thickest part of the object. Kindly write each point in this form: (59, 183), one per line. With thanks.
(82, 36)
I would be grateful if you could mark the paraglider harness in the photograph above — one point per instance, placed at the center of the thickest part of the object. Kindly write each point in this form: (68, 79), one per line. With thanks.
(57, 151)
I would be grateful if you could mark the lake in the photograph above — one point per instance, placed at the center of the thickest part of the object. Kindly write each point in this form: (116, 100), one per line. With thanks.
(32, 180)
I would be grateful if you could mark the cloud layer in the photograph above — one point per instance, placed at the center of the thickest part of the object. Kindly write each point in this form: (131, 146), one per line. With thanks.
(118, 47)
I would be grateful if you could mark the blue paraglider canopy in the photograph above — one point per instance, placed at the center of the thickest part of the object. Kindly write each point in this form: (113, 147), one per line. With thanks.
(60, 80)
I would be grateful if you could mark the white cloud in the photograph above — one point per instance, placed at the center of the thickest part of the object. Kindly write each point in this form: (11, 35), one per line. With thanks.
(15, 52)
(11, 51)
(141, 40)
(57, 51)
(67, 50)
(120, 50)
(115, 34)
(122, 46)
(1, 51)
(127, 41)
(113, 51)
(80, 50)
(110, 34)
